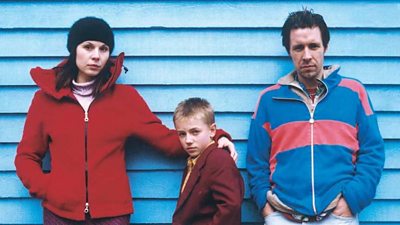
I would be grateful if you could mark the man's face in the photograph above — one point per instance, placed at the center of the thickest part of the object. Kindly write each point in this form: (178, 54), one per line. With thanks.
(307, 53)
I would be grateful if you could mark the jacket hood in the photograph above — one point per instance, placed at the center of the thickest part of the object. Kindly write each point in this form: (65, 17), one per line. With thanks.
(46, 78)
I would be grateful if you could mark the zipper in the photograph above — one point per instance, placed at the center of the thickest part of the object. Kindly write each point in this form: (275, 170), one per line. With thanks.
(311, 121)
(86, 209)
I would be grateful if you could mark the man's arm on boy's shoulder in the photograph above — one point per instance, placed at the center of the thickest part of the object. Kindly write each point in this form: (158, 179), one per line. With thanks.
(227, 188)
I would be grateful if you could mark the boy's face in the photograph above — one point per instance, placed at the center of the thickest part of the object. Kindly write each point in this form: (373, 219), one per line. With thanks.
(195, 135)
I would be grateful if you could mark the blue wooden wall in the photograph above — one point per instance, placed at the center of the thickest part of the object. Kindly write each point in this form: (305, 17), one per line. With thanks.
(225, 51)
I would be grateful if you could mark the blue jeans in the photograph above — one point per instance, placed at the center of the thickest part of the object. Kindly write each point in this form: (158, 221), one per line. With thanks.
(276, 218)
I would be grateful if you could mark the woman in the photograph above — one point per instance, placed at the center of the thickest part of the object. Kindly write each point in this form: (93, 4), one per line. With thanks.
(84, 118)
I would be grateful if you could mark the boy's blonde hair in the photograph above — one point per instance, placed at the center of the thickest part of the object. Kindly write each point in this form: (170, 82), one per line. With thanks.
(194, 106)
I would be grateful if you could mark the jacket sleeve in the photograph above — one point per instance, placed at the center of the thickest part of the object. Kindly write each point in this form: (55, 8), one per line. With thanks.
(148, 127)
(360, 191)
(227, 189)
(31, 150)
(258, 154)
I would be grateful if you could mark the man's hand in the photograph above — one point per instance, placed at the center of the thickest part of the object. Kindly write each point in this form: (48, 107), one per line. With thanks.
(342, 209)
(267, 210)
(225, 142)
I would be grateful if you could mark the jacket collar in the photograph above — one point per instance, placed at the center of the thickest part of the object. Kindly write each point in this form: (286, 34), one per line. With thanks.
(289, 79)
(195, 175)
(46, 78)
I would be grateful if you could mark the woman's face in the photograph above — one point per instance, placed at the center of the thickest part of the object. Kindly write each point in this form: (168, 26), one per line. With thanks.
(91, 57)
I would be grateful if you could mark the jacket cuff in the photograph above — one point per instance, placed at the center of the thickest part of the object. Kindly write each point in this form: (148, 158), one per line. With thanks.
(40, 187)
(261, 201)
(351, 202)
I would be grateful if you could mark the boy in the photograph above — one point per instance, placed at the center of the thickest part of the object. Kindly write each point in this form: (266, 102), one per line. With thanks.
(212, 187)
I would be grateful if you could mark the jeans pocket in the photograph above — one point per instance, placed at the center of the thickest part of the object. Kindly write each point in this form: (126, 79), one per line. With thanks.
(267, 218)
(347, 218)
(343, 220)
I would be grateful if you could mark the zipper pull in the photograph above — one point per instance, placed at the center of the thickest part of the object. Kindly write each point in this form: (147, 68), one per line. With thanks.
(86, 210)
(86, 116)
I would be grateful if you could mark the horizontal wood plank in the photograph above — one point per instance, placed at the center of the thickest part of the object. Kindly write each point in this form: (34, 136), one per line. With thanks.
(237, 124)
(50, 14)
(212, 70)
(140, 156)
(201, 42)
(227, 98)
(151, 184)
(29, 211)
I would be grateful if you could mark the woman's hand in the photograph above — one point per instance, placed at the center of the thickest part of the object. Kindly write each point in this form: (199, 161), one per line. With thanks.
(224, 142)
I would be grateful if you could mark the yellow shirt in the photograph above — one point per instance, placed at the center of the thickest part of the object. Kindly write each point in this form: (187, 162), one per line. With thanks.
(190, 165)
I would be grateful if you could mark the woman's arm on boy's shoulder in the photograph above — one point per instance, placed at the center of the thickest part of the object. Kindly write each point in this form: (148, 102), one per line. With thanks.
(224, 141)
(148, 127)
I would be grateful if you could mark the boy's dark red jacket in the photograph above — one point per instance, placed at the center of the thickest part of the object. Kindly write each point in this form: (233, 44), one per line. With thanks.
(56, 122)
(213, 193)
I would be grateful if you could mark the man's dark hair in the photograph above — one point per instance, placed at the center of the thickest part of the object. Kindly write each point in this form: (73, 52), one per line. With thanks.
(304, 19)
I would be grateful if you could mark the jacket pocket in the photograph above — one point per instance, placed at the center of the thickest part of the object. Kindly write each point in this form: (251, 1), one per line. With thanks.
(40, 186)
(47, 187)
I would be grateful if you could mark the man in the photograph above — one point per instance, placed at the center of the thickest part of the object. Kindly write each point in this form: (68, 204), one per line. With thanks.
(315, 153)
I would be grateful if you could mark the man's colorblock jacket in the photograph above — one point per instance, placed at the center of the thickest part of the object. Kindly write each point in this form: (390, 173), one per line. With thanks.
(309, 153)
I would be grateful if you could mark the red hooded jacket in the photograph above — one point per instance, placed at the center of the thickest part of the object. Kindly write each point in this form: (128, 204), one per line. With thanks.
(87, 156)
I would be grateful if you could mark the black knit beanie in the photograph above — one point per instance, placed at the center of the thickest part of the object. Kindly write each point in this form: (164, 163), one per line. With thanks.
(90, 28)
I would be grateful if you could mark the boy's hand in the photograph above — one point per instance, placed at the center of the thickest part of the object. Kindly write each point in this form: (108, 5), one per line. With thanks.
(342, 209)
(224, 142)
